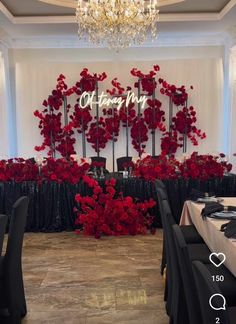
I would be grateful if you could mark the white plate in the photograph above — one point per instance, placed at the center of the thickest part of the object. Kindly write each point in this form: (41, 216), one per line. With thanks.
(224, 215)
(207, 199)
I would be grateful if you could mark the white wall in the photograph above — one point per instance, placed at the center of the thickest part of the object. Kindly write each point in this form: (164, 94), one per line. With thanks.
(35, 73)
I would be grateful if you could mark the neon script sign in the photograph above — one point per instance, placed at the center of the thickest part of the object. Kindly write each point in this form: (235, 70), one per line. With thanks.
(89, 99)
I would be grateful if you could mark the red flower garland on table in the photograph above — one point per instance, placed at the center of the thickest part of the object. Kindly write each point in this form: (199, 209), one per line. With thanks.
(161, 168)
(147, 80)
(204, 166)
(59, 170)
(139, 134)
(18, 170)
(105, 214)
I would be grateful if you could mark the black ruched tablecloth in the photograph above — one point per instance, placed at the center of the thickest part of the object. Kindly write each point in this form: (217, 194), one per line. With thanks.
(51, 204)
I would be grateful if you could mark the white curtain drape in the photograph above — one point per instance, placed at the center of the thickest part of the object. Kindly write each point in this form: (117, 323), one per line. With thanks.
(231, 125)
(4, 145)
(34, 81)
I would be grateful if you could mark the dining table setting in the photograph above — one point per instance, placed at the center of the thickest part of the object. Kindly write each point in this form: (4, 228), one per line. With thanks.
(215, 220)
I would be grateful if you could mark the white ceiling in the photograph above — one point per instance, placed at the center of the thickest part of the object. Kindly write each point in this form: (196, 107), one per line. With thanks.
(35, 20)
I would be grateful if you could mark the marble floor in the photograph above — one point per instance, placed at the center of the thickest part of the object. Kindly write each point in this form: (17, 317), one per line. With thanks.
(74, 279)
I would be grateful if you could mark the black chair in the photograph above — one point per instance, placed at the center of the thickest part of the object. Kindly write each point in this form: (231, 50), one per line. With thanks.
(174, 294)
(12, 295)
(189, 231)
(199, 252)
(99, 159)
(173, 291)
(3, 223)
(121, 161)
(206, 288)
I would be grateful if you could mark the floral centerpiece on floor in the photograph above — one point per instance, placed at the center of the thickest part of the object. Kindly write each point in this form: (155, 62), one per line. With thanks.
(107, 212)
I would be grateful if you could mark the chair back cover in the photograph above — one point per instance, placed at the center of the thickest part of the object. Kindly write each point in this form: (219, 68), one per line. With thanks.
(121, 161)
(12, 270)
(186, 271)
(177, 304)
(99, 159)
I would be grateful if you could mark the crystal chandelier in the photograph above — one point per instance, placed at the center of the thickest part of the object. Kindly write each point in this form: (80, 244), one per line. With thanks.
(117, 23)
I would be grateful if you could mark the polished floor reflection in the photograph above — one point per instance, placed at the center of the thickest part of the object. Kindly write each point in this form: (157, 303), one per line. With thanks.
(79, 280)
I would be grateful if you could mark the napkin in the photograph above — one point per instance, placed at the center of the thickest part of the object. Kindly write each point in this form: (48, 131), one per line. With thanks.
(229, 229)
(211, 208)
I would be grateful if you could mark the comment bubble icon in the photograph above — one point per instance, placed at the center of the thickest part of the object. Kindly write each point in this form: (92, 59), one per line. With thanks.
(217, 302)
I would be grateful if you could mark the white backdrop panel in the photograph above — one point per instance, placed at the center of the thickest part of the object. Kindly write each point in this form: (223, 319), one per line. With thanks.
(34, 81)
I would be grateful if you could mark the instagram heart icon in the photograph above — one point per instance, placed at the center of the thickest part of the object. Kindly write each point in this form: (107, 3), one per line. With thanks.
(217, 259)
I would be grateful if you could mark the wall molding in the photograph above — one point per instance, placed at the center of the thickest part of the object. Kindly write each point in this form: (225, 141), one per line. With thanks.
(163, 40)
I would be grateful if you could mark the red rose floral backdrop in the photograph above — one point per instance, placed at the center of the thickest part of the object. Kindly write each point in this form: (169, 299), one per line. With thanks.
(61, 123)
(69, 122)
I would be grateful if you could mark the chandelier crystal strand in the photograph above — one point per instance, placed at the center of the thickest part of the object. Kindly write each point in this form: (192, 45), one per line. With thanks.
(117, 23)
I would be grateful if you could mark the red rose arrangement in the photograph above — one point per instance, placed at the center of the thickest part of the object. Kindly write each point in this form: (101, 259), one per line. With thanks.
(170, 143)
(81, 118)
(56, 137)
(107, 212)
(59, 170)
(178, 95)
(204, 166)
(97, 135)
(18, 170)
(148, 81)
(88, 81)
(184, 123)
(154, 116)
(162, 168)
(139, 134)
(112, 118)
(127, 115)
(112, 122)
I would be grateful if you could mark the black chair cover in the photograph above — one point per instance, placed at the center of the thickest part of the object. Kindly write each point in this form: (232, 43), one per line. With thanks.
(12, 295)
(205, 289)
(99, 159)
(121, 161)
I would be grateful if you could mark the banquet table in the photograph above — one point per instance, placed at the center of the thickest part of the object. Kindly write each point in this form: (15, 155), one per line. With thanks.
(51, 204)
(209, 229)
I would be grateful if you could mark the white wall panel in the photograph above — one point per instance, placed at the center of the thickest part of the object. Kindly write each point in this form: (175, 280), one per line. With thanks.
(36, 72)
